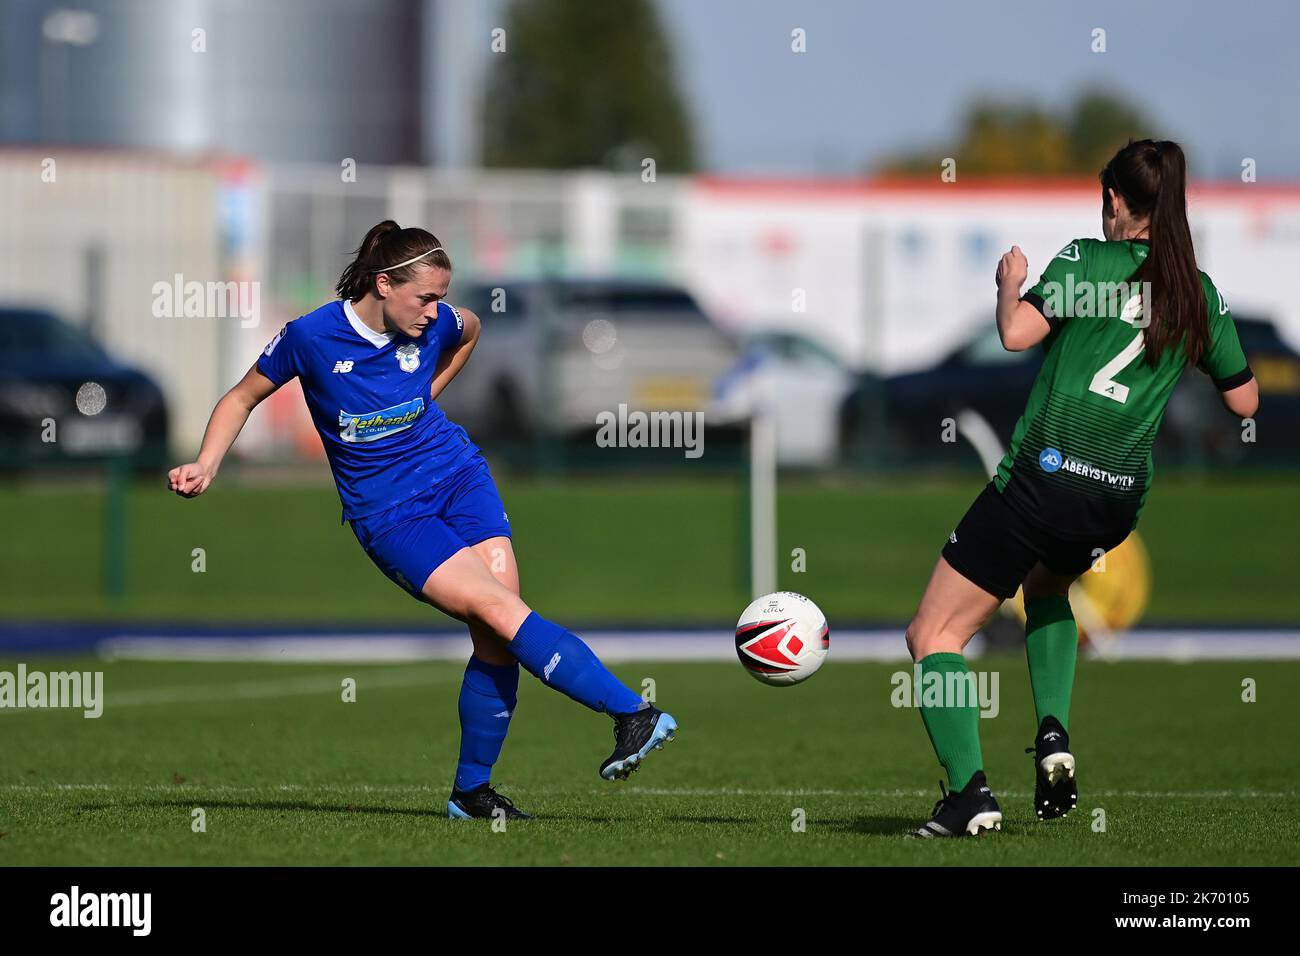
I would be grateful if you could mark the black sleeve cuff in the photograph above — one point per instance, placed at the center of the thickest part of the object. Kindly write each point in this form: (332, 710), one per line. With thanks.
(1036, 300)
(1234, 381)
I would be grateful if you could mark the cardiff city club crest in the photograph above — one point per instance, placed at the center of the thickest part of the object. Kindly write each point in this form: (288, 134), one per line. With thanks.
(408, 357)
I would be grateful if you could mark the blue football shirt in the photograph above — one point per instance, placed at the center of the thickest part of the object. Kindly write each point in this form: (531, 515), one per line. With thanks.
(369, 396)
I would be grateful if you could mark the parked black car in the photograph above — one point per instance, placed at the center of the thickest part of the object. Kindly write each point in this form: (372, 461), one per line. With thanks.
(901, 416)
(45, 365)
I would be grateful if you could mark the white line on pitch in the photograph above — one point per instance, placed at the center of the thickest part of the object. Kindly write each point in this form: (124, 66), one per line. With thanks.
(640, 791)
(1136, 794)
(253, 689)
(273, 688)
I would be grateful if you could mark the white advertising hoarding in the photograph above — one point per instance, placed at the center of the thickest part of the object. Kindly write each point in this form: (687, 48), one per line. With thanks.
(891, 276)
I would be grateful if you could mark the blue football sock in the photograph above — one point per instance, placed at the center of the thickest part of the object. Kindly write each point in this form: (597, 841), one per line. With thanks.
(560, 659)
(487, 699)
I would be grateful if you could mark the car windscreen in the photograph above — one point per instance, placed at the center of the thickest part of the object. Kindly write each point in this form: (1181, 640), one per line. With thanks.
(1258, 335)
(987, 349)
(29, 333)
(492, 302)
(670, 305)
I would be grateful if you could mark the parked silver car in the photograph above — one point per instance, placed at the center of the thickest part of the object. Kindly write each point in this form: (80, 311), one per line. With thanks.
(557, 352)
(803, 384)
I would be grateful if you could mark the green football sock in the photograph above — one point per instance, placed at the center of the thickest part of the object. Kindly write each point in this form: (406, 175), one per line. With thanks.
(954, 731)
(1052, 646)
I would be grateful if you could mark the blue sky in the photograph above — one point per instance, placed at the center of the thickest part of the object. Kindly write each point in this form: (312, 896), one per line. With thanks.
(1223, 78)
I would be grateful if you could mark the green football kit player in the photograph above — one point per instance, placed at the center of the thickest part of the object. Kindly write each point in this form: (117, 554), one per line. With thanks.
(1119, 320)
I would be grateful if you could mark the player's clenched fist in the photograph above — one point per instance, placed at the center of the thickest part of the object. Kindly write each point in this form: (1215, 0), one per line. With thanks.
(189, 481)
(1013, 269)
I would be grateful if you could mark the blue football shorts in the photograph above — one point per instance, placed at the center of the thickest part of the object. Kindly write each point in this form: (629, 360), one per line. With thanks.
(410, 541)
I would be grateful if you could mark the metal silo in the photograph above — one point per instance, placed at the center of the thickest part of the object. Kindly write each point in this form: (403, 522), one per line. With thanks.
(292, 80)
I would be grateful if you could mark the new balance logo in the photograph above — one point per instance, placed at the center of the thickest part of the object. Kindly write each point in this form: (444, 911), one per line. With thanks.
(952, 538)
(343, 366)
(546, 671)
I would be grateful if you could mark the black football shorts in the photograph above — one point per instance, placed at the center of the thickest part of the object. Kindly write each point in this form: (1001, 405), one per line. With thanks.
(994, 547)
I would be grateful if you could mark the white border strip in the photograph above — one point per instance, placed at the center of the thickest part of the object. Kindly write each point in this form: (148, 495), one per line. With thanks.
(876, 645)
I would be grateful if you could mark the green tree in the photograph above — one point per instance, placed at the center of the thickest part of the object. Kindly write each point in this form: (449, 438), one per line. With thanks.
(1000, 138)
(1023, 139)
(585, 83)
(1101, 123)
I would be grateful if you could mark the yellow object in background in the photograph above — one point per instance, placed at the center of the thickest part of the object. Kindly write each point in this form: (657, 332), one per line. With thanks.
(1109, 598)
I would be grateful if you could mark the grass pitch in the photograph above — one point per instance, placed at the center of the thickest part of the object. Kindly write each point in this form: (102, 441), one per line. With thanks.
(287, 773)
(593, 550)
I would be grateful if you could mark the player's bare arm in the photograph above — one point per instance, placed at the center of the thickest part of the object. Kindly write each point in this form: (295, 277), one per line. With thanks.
(1020, 325)
(1242, 401)
(450, 363)
(228, 418)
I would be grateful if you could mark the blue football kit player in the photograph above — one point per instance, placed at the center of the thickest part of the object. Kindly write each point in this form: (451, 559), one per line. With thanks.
(419, 497)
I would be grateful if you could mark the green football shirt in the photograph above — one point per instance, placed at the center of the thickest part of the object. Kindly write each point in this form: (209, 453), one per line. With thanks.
(1080, 457)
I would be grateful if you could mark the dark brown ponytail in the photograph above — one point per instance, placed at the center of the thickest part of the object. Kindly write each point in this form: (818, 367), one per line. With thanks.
(1152, 178)
(388, 244)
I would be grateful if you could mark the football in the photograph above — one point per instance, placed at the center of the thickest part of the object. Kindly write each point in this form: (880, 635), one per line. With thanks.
(782, 638)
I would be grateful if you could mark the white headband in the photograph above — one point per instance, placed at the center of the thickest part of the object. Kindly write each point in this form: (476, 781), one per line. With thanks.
(408, 261)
